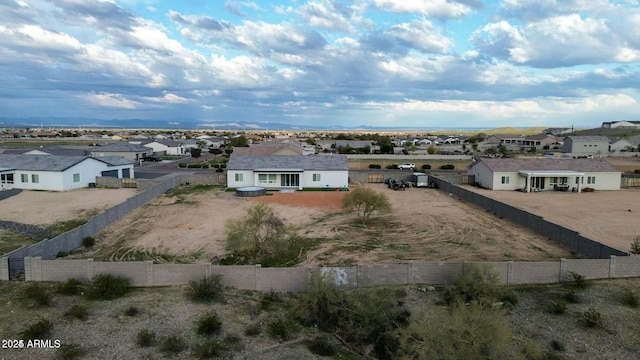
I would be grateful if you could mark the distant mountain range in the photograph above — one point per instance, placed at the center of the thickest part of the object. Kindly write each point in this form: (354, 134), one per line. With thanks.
(88, 123)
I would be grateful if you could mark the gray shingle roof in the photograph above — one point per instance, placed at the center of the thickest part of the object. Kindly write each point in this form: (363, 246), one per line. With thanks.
(310, 162)
(39, 162)
(589, 138)
(581, 165)
(114, 160)
(121, 147)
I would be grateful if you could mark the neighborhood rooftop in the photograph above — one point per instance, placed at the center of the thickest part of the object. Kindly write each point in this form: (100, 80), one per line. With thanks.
(48, 162)
(311, 162)
(580, 165)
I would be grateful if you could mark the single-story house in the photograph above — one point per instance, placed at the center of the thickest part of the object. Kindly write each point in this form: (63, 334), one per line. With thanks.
(288, 171)
(59, 173)
(49, 150)
(624, 144)
(586, 145)
(623, 124)
(165, 147)
(274, 147)
(542, 174)
(128, 151)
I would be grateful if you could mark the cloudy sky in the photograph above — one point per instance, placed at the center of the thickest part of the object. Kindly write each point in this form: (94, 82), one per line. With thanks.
(381, 63)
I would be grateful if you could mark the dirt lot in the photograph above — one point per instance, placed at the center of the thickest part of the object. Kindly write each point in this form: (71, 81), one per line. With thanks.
(610, 217)
(425, 225)
(49, 207)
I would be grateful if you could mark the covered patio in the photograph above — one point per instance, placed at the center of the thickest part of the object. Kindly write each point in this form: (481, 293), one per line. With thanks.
(543, 180)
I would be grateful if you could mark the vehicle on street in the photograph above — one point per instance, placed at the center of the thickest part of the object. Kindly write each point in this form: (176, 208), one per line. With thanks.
(407, 166)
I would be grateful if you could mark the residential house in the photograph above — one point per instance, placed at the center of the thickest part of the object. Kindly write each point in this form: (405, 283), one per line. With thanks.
(50, 150)
(288, 171)
(354, 144)
(126, 150)
(164, 147)
(274, 147)
(623, 124)
(215, 142)
(539, 141)
(621, 145)
(581, 146)
(543, 174)
(59, 173)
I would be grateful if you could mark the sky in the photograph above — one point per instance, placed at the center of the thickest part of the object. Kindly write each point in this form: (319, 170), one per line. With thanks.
(374, 63)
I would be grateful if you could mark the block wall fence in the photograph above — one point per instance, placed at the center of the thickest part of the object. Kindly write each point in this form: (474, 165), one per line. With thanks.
(296, 279)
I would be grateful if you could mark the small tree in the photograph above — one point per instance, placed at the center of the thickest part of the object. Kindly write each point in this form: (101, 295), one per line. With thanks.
(195, 152)
(255, 232)
(635, 246)
(431, 150)
(366, 201)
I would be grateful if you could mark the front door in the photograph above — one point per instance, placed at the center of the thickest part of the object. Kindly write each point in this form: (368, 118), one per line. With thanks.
(537, 182)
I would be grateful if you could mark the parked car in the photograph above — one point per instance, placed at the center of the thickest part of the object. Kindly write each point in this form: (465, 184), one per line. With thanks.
(405, 166)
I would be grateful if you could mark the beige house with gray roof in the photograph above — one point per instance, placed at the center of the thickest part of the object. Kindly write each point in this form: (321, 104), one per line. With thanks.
(544, 174)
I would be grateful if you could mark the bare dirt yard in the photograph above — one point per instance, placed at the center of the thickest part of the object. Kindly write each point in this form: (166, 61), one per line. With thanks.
(425, 224)
(609, 217)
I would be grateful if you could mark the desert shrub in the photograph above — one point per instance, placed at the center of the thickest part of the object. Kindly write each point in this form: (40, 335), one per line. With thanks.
(70, 287)
(447, 167)
(173, 344)
(375, 166)
(476, 284)
(281, 328)
(209, 325)
(69, 352)
(426, 167)
(558, 307)
(558, 345)
(208, 349)
(132, 311)
(89, 241)
(635, 246)
(182, 165)
(508, 297)
(107, 287)
(391, 167)
(592, 318)
(630, 298)
(253, 329)
(145, 338)
(269, 300)
(62, 254)
(572, 297)
(35, 295)
(321, 345)
(208, 289)
(232, 342)
(77, 312)
(39, 330)
(578, 281)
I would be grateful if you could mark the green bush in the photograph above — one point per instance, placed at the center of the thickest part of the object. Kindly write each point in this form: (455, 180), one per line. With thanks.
(558, 345)
(477, 284)
(70, 287)
(426, 167)
(208, 349)
(447, 167)
(69, 352)
(146, 338)
(194, 166)
(89, 241)
(558, 307)
(592, 318)
(209, 289)
(182, 165)
(578, 281)
(40, 330)
(271, 299)
(630, 298)
(107, 287)
(321, 345)
(77, 312)
(281, 328)
(375, 166)
(391, 167)
(572, 297)
(35, 295)
(209, 325)
(61, 254)
(173, 344)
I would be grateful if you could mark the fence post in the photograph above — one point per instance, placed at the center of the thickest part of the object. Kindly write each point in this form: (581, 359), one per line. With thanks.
(509, 272)
(28, 272)
(4, 269)
(563, 270)
(258, 277)
(409, 272)
(90, 269)
(612, 266)
(150, 279)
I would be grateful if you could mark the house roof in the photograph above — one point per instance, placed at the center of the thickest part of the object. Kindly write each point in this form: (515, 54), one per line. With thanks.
(114, 160)
(40, 162)
(542, 164)
(275, 162)
(588, 138)
(53, 150)
(121, 147)
(165, 142)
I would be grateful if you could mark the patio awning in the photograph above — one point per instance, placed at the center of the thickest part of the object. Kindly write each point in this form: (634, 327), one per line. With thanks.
(278, 170)
(548, 173)
(6, 170)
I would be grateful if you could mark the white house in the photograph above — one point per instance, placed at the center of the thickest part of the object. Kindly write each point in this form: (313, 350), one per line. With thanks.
(586, 145)
(618, 145)
(542, 174)
(59, 173)
(623, 124)
(288, 171)
(165, 147)
(128, 151)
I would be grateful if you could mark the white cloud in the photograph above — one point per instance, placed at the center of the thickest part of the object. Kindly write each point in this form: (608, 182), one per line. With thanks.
(110, 100)
(435, 8)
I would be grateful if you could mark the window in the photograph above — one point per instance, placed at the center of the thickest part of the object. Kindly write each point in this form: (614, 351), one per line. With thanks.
(76, 178)
(35, 178)
(505, 179)
(24, 178)
(6, 178)
(316, 177)
(239, 177)
(267, 178)
(591, 179)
